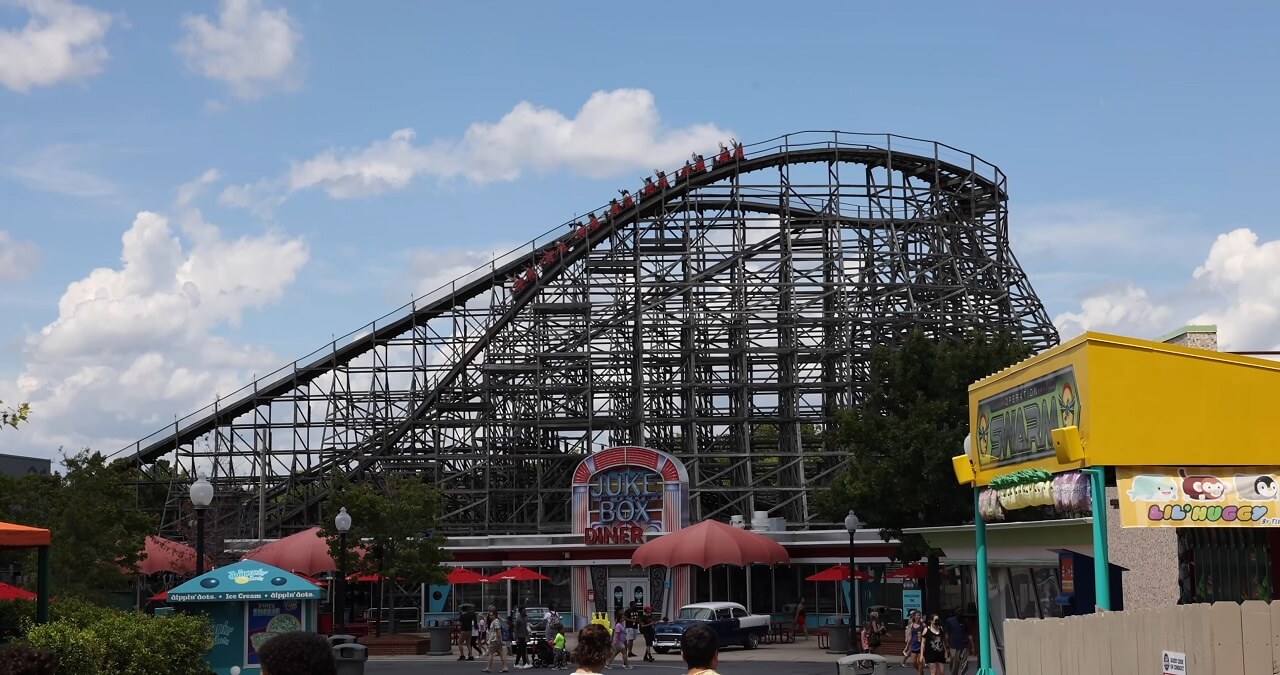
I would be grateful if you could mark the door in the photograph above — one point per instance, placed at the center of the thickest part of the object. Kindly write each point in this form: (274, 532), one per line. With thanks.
(624, 590)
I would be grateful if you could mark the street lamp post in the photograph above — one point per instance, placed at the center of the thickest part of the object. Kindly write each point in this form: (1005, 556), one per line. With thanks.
(201, 498)
(342, 522)
(851, 523)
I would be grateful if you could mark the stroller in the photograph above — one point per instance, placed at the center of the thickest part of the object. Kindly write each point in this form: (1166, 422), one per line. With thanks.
(541, 654)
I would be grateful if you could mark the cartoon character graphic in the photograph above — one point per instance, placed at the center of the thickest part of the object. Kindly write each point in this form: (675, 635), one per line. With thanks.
(1153, 489)
(1256, 488)
(1202, 488)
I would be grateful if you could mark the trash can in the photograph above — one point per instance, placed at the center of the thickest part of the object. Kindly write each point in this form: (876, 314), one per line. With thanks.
(441, 637)
(838, 640)
(863, 664)
(335, 640)
(351, 658)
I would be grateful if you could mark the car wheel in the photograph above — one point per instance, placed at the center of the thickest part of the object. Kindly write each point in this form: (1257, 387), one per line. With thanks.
(661, 650)
(753, 641)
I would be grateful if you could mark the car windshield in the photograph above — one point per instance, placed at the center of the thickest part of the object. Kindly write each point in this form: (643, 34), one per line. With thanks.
(696, 614)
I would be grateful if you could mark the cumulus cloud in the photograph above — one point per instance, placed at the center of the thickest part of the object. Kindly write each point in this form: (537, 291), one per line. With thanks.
(614, 131)
(1236, 288)
(18, 259)
(248, 47)
(134, 344)
(1246, 275)
(1128, 310)
(60, 41)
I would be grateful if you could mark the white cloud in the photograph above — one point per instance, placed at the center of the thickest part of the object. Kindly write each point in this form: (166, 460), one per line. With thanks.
(1236, 288)
(614, 131)
(1246, 274)
(432, 269)
(134, 344)
(250, 48)
(187, 192)
(1128, 310)
(18, 259)
(56, 169)
(60, 41)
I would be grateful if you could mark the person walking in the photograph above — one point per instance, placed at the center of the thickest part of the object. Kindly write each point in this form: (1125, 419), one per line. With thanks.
(647, 625)
(914, 633)
(934, 645)
(495, 641)
(521, 638)
(620, 641)
(802, 619)
(469, 634)
(960, 640)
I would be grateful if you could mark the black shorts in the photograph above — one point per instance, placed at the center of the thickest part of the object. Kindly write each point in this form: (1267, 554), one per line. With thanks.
(648, 635)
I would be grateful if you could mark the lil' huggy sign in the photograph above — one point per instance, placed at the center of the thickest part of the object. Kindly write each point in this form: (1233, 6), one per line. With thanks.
(1243, 496)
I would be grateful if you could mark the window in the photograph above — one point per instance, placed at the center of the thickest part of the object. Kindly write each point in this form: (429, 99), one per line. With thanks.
(739, 613)
(724, 614)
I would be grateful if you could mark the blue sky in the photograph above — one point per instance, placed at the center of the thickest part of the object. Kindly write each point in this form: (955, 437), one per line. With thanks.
(1133, 137)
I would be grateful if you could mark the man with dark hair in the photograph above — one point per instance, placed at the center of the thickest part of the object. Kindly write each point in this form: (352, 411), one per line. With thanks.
(700, 647)
(297, 653)
(470, 633)
(959, 643)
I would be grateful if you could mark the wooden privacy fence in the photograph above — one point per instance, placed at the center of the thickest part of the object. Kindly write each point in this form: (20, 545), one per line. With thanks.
(1220, 639)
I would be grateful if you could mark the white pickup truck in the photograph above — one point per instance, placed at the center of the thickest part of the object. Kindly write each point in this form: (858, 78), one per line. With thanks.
(729, 619)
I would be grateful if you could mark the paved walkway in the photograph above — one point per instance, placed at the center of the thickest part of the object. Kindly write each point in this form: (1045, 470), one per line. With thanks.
(801, 651)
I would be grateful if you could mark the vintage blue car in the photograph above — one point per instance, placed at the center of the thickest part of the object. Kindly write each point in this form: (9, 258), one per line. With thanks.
(729, 619)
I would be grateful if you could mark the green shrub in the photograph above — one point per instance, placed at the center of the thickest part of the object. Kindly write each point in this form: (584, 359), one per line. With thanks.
(79, 651)
(125, 643)
(16, 617)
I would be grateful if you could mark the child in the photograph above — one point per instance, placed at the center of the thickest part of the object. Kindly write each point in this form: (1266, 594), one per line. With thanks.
(560, 648)
(620, 641)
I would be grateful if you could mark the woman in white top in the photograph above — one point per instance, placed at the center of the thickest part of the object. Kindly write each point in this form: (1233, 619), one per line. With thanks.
(495, 641)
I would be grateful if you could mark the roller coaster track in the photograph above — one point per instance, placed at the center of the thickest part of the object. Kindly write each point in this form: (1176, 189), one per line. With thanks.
(970, 193)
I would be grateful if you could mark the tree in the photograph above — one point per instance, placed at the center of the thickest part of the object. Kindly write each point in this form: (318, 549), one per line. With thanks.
(391, 530)
(98, 533)
(902, 437)
(12, 417)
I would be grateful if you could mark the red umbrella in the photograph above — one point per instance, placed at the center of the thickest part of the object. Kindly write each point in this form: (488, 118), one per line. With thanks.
(708, 544)
(517, 574)
(166, 555)
(912, 571)
(162, 596)
(838, 573)
(306, 552)
(8, 592)
(462, 575)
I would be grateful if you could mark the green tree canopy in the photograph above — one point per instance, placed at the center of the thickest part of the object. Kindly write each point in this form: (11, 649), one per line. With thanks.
(397, 521)
(98, 533)
(902, 437)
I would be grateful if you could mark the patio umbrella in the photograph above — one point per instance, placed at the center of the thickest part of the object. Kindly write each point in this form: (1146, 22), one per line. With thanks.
(8, 592)
(708, 544)
(912, 571)
(13, 536)
(838, 573)
(166, 555)
(462, 575)
(305, 551)
(516, 574)
(162, 596)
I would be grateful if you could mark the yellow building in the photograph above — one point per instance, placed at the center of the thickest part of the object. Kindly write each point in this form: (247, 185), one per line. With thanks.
(1183, 436)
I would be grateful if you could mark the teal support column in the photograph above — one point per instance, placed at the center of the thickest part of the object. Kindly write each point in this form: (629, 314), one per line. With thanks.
(42, 584)
(984, 612)
(1101, 554)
